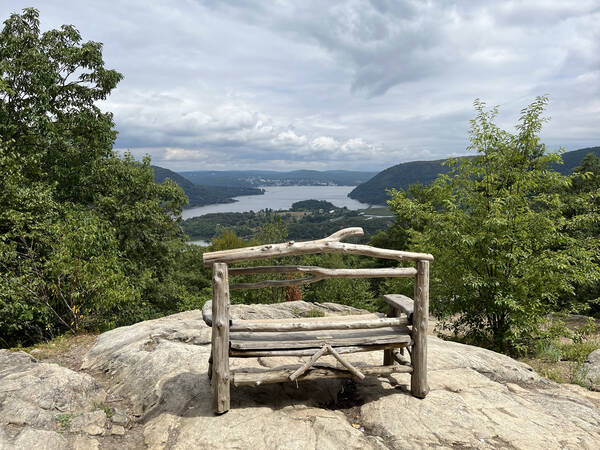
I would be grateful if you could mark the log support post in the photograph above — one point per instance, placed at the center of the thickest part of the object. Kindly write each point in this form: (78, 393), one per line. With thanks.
(388, 357)
(418, 383)
(220, 339)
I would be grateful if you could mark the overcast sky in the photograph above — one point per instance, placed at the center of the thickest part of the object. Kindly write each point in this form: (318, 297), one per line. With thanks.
(362, 84)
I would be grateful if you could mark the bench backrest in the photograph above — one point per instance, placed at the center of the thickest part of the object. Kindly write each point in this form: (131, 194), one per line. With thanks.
(330, 244)
(221, 322)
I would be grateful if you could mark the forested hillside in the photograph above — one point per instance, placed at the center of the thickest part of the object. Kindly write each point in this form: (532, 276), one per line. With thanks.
(203, 195)
(403, 175)
(308, 219)
(249, 178)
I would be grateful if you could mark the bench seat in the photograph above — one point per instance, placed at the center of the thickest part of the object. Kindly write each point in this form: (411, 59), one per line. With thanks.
(316, 339)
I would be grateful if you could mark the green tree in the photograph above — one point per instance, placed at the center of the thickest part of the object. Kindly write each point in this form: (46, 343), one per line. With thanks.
(87, 239)
(495, 225)
(50, 83)
(582, 209)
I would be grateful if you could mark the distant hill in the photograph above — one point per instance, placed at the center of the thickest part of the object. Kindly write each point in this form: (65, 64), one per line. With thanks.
(203, 195)
(573, 158)
(403, 175)
(254, 178)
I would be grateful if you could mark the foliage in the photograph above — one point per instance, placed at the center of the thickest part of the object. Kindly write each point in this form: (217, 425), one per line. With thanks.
(582, 208)
(273, 231)
(404, 175)
(300, 226)
(494, 224)
(87, 239)
(312, 205)
(50, 83)
(345, 291)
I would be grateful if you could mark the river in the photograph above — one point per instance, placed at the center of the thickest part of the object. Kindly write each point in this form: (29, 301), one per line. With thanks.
(281, 197)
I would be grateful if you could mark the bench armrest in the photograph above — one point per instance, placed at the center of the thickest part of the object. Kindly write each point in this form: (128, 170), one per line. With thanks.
(401, 303)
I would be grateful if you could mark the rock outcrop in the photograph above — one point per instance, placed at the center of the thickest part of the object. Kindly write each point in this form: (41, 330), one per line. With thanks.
(478, 398)
(592, 370)
(39, 401)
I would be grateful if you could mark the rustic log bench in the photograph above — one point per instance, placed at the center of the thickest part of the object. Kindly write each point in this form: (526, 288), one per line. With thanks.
(405, 325)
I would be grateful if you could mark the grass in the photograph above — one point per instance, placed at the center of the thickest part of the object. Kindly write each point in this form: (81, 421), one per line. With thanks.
(64, 421)
(56, 346)
(562, 354)
(314, 313)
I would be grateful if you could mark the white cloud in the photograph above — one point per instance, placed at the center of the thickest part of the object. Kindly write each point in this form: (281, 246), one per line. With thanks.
(360, 84)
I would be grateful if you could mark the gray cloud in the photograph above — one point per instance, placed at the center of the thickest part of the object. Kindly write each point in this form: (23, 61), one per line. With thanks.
(340, 84)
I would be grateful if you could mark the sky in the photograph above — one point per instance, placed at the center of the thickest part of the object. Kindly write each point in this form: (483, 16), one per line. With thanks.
(357, 85)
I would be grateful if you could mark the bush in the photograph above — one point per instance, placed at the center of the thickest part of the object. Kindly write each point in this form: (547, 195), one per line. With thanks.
(494, 223)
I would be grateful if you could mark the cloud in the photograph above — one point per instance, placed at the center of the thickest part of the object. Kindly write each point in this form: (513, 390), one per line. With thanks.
(357, 84)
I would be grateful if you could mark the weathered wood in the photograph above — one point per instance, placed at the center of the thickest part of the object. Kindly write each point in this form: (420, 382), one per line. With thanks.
(278, 376)
(353, 370)
(313, 359)
(388, 359)
(401, 303)
(310, 351)
(319, 273)
(316, 339)
(220, 339)
(275, 283)
(387, 272)
(264, 269)
(400, 360)
(418, 385)
(329, 244)
(327, 319)
(309, 325)
(327, 272)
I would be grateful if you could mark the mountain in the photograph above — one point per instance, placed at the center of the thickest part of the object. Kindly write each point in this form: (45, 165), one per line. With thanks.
(254, 178)
(203, 195)
(573, 158)
(403, 175)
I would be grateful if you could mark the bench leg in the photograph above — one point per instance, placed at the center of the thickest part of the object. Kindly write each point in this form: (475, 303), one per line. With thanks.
(418, 382)
(388, 356)
(220, 339)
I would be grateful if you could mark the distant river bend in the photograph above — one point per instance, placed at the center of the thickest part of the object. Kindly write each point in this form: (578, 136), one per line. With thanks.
(281, 197)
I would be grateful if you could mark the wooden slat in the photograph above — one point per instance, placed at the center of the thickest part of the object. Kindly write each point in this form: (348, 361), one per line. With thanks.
(307, 325)
(402, 303)
(244, 378)
(274, 283)
(313, 359)
(327, 272)
(337, 318)
(329, 244)
(316, 339)
(310, 351)
(318, 274)
(353, 370)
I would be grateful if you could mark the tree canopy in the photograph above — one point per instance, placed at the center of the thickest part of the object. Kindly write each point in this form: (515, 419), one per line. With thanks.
(87, 239)
(495, 223)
